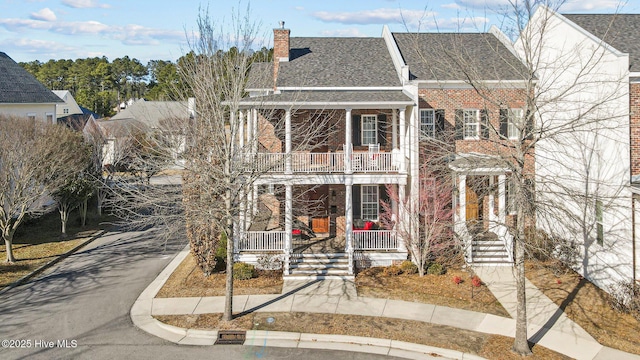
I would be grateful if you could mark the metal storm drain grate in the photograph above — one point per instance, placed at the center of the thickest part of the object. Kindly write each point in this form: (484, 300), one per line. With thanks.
(231, 337)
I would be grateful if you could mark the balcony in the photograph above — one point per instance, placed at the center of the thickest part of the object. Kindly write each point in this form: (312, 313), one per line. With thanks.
(333, 162)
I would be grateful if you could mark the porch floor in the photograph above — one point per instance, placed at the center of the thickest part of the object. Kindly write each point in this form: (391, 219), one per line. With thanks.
(319, 245)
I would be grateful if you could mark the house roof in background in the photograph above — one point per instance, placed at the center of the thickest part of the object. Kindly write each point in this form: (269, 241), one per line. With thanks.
(17, 86)
(151, 113)
(442, 56)
(618, 30)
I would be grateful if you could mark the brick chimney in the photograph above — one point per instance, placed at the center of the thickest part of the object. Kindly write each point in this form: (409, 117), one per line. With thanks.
(280, 49)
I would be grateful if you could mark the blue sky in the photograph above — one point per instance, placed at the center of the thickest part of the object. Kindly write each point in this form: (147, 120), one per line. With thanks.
(156, 30)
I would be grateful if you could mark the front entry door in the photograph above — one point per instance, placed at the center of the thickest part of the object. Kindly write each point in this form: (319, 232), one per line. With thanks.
(320, 225)
(471, 204)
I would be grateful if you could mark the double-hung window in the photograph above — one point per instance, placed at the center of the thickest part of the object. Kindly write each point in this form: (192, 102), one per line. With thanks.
(31, 116)
(599, 223)
(471, 121)
(514, 126)
(427, 123)
(369, 129)
(369, 200)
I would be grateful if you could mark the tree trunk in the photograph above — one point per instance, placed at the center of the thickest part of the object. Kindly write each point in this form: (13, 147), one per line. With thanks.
(8, 241)
(101, 195)
(520, 344)
(228, 302)
(64, 216)
(83, 212)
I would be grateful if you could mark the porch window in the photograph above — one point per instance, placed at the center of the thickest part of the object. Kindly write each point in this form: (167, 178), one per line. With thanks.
(369, 200)
(599, 223)
(427, 123)
(471, 120)
(369, 129)
(515, 124)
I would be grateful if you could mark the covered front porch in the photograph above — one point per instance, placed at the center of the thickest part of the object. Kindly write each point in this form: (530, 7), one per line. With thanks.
(481, 208)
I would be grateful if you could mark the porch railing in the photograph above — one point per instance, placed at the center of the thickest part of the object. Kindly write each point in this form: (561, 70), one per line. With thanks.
(375, 240)
(303, 162)
(262, 241)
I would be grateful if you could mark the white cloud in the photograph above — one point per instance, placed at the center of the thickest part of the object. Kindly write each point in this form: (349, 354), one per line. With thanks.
(85, 4)
(352, 32)
(45, 14)
(483, 4)
(377, 16)
(583, 5)
(36, 46)
(451, 6)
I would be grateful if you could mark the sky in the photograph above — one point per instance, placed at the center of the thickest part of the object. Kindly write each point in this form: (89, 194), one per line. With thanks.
(158, 29)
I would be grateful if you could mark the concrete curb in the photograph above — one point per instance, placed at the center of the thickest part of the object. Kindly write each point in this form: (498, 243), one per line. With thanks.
(51, 263)
(141, 317)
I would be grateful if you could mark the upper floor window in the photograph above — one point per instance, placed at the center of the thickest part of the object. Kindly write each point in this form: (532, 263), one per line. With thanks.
(471, 121)
(369, 131)
(427, 123)
(514, 124)
(65, 111)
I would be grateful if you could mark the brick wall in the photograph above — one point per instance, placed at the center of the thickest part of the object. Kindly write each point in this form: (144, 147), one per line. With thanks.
(634, 122)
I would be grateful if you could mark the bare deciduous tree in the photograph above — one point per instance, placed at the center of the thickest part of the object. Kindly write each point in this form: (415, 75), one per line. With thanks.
(36, 159)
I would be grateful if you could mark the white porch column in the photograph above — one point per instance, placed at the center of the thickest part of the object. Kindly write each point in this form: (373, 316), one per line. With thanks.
(491, 200)
(348, 223)
(403, 143)
(347, 142)
(394, 129)
(462, 199)
(501, 199)
(242, 217)
(241, 129)
(232, 140)
(403, 222)
(254, 132)
(288, 225)
(287, 142)
(254, 200)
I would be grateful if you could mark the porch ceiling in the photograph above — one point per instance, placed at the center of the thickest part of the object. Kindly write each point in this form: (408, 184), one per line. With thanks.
(332, 99)
(479, 164)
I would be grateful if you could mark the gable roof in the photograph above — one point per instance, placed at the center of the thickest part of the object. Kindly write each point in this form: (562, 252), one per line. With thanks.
(443, 56)
(152, 113)
(618, 30)
(17, 86)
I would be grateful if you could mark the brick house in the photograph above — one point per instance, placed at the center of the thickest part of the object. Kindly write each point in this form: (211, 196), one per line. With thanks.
(379, 104)
(595, 167)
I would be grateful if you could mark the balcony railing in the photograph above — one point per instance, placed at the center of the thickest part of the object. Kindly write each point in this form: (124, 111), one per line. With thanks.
(262, 241)
(361, 162)
(375, 240)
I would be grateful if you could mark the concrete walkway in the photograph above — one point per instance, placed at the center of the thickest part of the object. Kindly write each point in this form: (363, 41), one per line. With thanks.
(548, 326)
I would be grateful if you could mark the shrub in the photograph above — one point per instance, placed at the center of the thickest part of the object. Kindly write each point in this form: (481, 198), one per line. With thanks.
(625, 297)
(457, 279)
(475, 281)
(435, 269)
(393, 270)
(243, 271)
(408, 267)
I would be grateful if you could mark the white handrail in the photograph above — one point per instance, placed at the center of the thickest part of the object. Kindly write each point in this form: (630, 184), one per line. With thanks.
(262, 240)
(375, 240)
(330, 162)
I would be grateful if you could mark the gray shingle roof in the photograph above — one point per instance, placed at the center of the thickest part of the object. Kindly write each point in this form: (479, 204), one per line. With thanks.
(152, 113)
(327, 98)
(622, 31)
(453, 56)
(17, 86)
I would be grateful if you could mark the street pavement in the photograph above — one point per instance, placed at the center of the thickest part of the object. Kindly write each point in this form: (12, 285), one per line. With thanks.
(80, 309)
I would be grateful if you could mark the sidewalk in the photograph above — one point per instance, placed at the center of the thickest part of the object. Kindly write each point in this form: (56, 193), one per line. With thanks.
(548, 326)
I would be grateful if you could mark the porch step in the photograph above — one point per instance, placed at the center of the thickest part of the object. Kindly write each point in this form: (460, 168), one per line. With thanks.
(319, 265)
(487, 249)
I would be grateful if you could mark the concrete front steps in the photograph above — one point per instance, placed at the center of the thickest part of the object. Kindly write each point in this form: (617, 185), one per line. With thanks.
(487, 249)
(319, 266)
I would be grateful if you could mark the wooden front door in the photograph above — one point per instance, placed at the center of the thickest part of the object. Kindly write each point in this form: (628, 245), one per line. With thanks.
(320, 225)
(471, 204)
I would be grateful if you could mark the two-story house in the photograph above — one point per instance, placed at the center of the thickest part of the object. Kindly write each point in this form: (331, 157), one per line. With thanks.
(588, 157)
(380, 101)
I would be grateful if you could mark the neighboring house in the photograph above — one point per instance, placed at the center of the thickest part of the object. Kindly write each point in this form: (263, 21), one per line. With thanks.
(139, 117)
(70, 113)
(23, 95)
(386, 102)
(588, 176)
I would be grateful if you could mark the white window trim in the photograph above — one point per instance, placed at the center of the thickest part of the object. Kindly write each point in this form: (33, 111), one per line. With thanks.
(32, 115)
(362, 202)
(513, 126)
(53, 117)
(425, 132)
(477, 125)
(362, 130)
